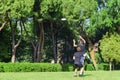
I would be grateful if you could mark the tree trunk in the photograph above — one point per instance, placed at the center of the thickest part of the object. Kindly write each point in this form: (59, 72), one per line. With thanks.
(13, 43)
(41, 43)
(110, 65)
(34, 54)
(53, 43)
(14, 46)
(13, 55)
(35, 43)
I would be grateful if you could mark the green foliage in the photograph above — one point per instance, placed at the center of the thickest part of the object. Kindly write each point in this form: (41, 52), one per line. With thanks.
(5, 47)
(89, 67)
(16, 8)
(77, 10)
(51, 9)
(98, 58)
(106, 18)
(45, 67)
(67, 67)
(103, 66)
(110, 48)
(29, 67)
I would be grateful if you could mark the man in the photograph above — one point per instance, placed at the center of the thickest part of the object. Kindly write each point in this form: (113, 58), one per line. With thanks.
(78, 64)
(82, 51)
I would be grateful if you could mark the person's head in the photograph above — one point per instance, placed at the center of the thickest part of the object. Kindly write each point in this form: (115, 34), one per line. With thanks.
(78, 49)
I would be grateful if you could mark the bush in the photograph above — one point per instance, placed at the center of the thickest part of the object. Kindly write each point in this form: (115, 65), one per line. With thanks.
(89, 67)
(45, 67)
(67, 67)
(29, 67)
(103, 66)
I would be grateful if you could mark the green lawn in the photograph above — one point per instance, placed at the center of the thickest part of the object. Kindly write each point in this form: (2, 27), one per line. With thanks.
(88, 75)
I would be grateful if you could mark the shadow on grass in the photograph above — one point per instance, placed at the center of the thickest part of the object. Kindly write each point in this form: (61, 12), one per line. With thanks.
(85, 75)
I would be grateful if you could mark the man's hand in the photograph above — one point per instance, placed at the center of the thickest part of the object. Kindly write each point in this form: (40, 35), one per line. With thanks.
(74, 43)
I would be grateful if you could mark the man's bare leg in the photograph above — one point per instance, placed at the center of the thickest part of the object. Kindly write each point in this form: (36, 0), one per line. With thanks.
(81, 71)
(75, 72)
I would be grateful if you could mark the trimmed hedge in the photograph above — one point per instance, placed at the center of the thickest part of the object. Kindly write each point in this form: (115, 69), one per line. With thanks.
(67, 67)
(102, 66)
(29, 67)
(89, 67)
(45, 67)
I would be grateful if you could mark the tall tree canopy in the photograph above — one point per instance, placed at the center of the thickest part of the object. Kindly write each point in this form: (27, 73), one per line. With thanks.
(36, 21)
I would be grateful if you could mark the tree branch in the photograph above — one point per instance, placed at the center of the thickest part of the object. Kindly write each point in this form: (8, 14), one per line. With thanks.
(20, 36)
(28, 35)
(3, 25)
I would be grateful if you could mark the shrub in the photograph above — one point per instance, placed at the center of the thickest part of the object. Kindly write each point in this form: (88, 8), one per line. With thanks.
(29, 67)
(105, 66)
(89, 67)
(67, 67)
(45, 67)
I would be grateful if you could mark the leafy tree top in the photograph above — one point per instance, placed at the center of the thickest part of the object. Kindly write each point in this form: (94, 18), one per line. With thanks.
(16, 8)
(51, 9)
(110, 48)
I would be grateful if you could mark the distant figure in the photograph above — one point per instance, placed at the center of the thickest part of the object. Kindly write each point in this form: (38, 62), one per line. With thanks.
(92, 54)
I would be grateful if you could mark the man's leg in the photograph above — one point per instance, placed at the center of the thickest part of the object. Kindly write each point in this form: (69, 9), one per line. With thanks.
(81, 71)
(75, 72)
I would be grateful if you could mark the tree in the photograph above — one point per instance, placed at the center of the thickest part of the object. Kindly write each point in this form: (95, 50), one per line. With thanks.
(77, 14)
(19, 15)
(5, 42)
(105, 19)
(16, 10)
(110, 48)
(51, 11)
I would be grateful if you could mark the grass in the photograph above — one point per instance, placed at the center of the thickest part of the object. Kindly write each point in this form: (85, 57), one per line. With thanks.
(88, 75)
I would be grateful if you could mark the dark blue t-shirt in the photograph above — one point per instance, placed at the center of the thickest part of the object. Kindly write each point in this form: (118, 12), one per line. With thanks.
(78, 56)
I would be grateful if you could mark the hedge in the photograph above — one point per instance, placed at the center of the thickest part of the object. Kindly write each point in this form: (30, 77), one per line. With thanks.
(102, 66)
(30, 67)
(45, 67)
